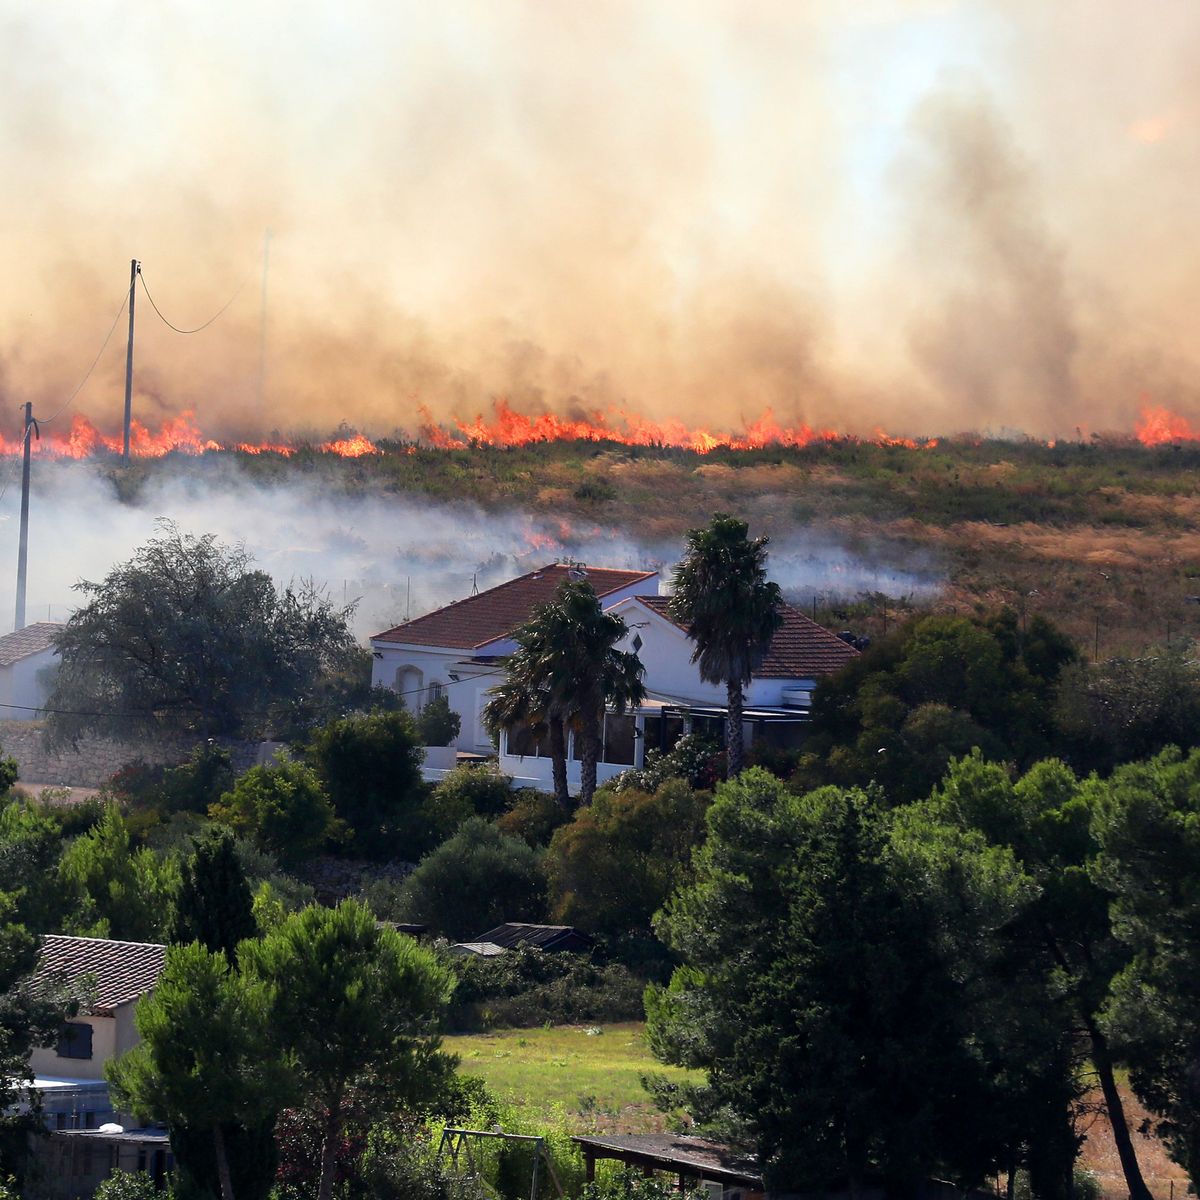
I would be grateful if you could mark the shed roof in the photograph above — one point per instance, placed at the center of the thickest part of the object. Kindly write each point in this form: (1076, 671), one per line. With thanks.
(478, 620)
(546, 937)
(121, 971)
(676, 1153)
(22, 643)
(800, 649)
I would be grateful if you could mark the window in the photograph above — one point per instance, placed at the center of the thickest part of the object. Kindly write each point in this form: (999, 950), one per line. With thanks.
(618, 739)
(75, 1041)
(663, 732)
(523, 743)
(435, 691)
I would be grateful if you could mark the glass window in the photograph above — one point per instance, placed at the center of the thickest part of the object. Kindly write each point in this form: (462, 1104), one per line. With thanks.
(436, 691)
(524, 743)
(663, 732)
(618, 739)
(75, 1041)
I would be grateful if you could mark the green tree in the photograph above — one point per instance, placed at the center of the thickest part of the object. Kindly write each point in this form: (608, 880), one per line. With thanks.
(370, 768)
(281, 808)
(187, 637)
(1124, 709)
(567, 668)
(613, 866)
(438, 724)
(205, 1061)
(730, 610)
(1147, 825)
(477, 879)
(823, 991)
(357, 1006)
(1046, 819)
(932, 692)
(213, 905)
(114, 889)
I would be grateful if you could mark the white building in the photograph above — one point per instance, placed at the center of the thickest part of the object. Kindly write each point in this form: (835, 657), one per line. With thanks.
(455, 651)
(678, 701)
(27, 662)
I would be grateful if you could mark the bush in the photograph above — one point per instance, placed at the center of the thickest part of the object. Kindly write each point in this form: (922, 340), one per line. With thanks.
(476, 880)
(694, 758)
(620, 858)
(438, 724)
(624, 1185)
(532, 816)
(370, 767)
(528, 987)
(282, 809)
(475, 790)
(129, 1185)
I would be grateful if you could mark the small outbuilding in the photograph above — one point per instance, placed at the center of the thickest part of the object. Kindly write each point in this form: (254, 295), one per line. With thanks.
(553, 938)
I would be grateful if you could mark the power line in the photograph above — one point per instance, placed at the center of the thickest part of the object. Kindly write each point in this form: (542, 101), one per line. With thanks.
(88, 375)
(198, 328)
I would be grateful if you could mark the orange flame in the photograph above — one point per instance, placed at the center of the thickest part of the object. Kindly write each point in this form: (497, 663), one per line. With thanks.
(1157, 426)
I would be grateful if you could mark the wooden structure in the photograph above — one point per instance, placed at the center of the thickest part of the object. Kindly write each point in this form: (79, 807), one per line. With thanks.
(691, 1159)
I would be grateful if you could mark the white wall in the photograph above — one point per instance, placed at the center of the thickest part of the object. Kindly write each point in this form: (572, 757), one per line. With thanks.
(45, 1061)
(21, 688)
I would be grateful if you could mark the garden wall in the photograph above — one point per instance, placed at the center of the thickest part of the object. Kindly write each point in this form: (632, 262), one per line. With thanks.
(95, 760)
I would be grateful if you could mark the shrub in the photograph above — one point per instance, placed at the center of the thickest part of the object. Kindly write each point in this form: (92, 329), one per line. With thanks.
(482, 790)
(370, 767)
(282, 809)
(129, 1185)
(620, 858)
(695, 758)
(533, 816)
(438, 724)
(528, 987)
(476, 880)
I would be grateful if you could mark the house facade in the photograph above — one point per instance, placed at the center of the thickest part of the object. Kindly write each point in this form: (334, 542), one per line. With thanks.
(777, 700)
(27, 660)
(455, 651)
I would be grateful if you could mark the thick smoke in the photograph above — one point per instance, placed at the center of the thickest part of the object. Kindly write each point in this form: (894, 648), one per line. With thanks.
(397, 556)
(922, 215)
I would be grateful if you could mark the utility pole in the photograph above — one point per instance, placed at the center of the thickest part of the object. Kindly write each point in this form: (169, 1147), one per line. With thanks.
(23, 545)
(134, 267)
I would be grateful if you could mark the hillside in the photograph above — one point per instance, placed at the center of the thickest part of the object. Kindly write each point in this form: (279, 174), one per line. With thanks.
(1099, 535)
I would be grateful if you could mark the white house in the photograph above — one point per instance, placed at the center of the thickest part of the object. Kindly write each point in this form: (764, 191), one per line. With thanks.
(27, 658)
(87, 1137)
(455, 651)
(777, 700)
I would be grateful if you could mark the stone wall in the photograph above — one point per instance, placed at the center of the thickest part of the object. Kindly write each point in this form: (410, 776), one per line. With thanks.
(95, 760)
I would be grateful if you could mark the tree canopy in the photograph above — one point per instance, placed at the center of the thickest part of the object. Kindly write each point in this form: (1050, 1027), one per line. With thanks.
(187, 637)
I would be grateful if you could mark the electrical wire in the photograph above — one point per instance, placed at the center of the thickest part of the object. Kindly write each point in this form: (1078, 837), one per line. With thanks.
(107, 337)
(237, 292)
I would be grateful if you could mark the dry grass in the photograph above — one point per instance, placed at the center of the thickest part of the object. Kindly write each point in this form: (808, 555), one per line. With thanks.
(1165, 1179)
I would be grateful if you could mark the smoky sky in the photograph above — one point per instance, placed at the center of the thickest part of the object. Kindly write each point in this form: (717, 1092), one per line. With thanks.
(925, 216)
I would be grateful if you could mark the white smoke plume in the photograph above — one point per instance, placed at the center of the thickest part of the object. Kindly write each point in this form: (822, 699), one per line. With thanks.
(396, 555)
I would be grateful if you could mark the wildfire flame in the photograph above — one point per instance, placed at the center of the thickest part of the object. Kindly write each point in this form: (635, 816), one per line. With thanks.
(508, 428)
(1158, 426)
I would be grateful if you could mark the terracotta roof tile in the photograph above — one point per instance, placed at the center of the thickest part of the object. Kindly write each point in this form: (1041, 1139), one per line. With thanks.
(800, 649)
(31, 640)
(120, 971)
(478, 620)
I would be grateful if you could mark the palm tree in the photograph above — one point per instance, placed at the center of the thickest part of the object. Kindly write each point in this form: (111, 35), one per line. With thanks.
(723, 598)
(565, 671)
(523, 700)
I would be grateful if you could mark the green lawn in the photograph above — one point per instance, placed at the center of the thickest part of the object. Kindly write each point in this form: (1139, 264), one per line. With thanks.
(591, 1077)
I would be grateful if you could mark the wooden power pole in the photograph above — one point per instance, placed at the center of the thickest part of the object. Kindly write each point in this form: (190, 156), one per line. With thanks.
(23, 545)
(133, 274)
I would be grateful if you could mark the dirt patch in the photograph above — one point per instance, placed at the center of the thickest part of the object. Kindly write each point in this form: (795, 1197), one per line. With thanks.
(1165, 1179)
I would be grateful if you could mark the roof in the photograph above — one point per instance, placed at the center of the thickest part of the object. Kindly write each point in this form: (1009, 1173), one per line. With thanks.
(697, 1156)
(120, 971)
(477, 620)
(800, 649)
(33, 639)
(482, 949)
(547, 937)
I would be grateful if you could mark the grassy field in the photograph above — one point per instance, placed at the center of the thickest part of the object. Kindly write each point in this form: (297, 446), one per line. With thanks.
(592, 1078)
